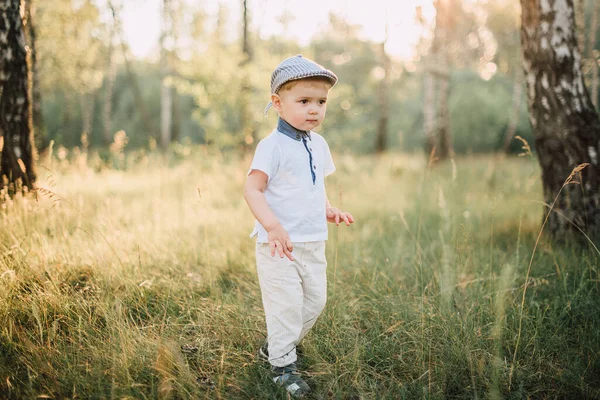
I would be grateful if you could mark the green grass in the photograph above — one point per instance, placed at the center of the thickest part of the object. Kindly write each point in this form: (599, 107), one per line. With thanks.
(111, 272)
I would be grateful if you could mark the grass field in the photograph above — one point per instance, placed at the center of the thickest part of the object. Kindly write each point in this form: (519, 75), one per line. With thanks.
(140, 283)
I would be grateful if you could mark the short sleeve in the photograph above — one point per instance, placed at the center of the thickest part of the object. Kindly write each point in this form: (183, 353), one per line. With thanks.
(266, 158)
(329, 166)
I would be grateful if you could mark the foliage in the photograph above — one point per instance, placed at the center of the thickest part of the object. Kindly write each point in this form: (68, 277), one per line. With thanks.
(71, 44)
(207, 79)
(139, 284)
(492, 100)
(503, 20)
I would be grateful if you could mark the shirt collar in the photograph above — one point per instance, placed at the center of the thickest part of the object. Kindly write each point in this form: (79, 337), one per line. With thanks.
(288, 130)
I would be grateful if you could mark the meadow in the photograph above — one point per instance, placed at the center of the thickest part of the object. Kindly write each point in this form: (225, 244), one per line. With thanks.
(138, 281)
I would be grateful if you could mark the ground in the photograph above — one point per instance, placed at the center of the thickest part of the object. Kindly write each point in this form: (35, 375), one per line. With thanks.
(139, 282)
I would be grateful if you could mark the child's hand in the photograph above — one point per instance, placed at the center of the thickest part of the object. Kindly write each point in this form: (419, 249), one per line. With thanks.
(279, 241)
(336, 215)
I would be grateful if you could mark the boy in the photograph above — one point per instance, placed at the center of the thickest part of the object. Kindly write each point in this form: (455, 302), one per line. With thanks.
(285, 191)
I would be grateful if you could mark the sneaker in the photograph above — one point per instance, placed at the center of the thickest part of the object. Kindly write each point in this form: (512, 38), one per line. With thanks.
(289, 378)
(263, 352)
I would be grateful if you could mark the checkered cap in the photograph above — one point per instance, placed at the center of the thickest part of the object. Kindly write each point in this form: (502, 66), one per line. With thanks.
(294, 68)
(298, 67)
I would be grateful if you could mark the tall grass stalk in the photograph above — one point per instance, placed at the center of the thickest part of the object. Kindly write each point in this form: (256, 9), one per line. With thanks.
(505, 285)
(419, 255)
(568, 181)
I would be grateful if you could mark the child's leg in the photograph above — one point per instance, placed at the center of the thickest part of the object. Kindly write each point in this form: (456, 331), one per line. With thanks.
(282, 296)
(314, 282)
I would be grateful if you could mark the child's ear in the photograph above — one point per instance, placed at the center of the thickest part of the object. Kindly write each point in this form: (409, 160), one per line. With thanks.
(276, 100)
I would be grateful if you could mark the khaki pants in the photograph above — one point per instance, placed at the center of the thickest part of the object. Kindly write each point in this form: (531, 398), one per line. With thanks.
(293, 293)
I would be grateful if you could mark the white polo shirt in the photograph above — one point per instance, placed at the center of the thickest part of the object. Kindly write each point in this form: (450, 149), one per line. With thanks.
(294, 194)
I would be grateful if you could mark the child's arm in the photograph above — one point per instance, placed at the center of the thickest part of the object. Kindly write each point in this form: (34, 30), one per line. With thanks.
(254, 194)
(335, 215)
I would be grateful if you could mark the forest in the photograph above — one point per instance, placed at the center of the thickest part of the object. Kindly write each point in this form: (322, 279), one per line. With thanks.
(465, 136)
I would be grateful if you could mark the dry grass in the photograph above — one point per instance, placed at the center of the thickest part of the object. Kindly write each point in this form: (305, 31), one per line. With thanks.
(139, 282)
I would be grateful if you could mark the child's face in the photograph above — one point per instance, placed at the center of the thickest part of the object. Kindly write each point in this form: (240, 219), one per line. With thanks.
(304, 105)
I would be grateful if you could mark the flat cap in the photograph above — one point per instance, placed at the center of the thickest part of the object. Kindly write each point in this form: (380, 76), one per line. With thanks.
(298, 67)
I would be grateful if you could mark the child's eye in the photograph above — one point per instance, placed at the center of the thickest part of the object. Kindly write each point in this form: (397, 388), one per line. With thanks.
(322, 102)
(303, 101)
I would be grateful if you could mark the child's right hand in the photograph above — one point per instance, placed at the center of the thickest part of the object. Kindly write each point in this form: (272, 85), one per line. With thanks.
(279, 241)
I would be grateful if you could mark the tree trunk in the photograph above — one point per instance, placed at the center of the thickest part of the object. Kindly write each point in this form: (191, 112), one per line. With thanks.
(66, 116)
(429, 83)
(381, 143)
(564, 122)
(442, 39)
(429, 112)
(176, 119)
(593, 54)
(445, 147)
(166, 91)
(111, 74)
(246, 119)
(40, 140)
(513, 120)
(580, 23)
(15, 107)
(87, 115)
(437, 119)
(166, 108)
(247, 50)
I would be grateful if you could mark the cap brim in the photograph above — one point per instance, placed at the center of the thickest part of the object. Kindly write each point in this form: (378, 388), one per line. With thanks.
(329, 76)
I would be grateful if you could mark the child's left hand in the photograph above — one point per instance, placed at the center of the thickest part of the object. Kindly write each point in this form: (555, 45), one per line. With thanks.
(335, 215)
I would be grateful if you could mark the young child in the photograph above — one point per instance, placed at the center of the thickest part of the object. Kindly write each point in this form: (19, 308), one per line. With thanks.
(285, 191)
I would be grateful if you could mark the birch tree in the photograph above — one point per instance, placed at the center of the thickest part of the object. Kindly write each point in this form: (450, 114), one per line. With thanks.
(564, 122)
(29, 21)
(166, 92)
(444, 134)
(247, 122)
(447, 50)
(16, 163)
(593, 54)
(381, 141)
(433, 71)
(110, 77)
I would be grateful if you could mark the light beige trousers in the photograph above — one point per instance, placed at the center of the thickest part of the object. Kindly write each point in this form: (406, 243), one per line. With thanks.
(293, 294)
